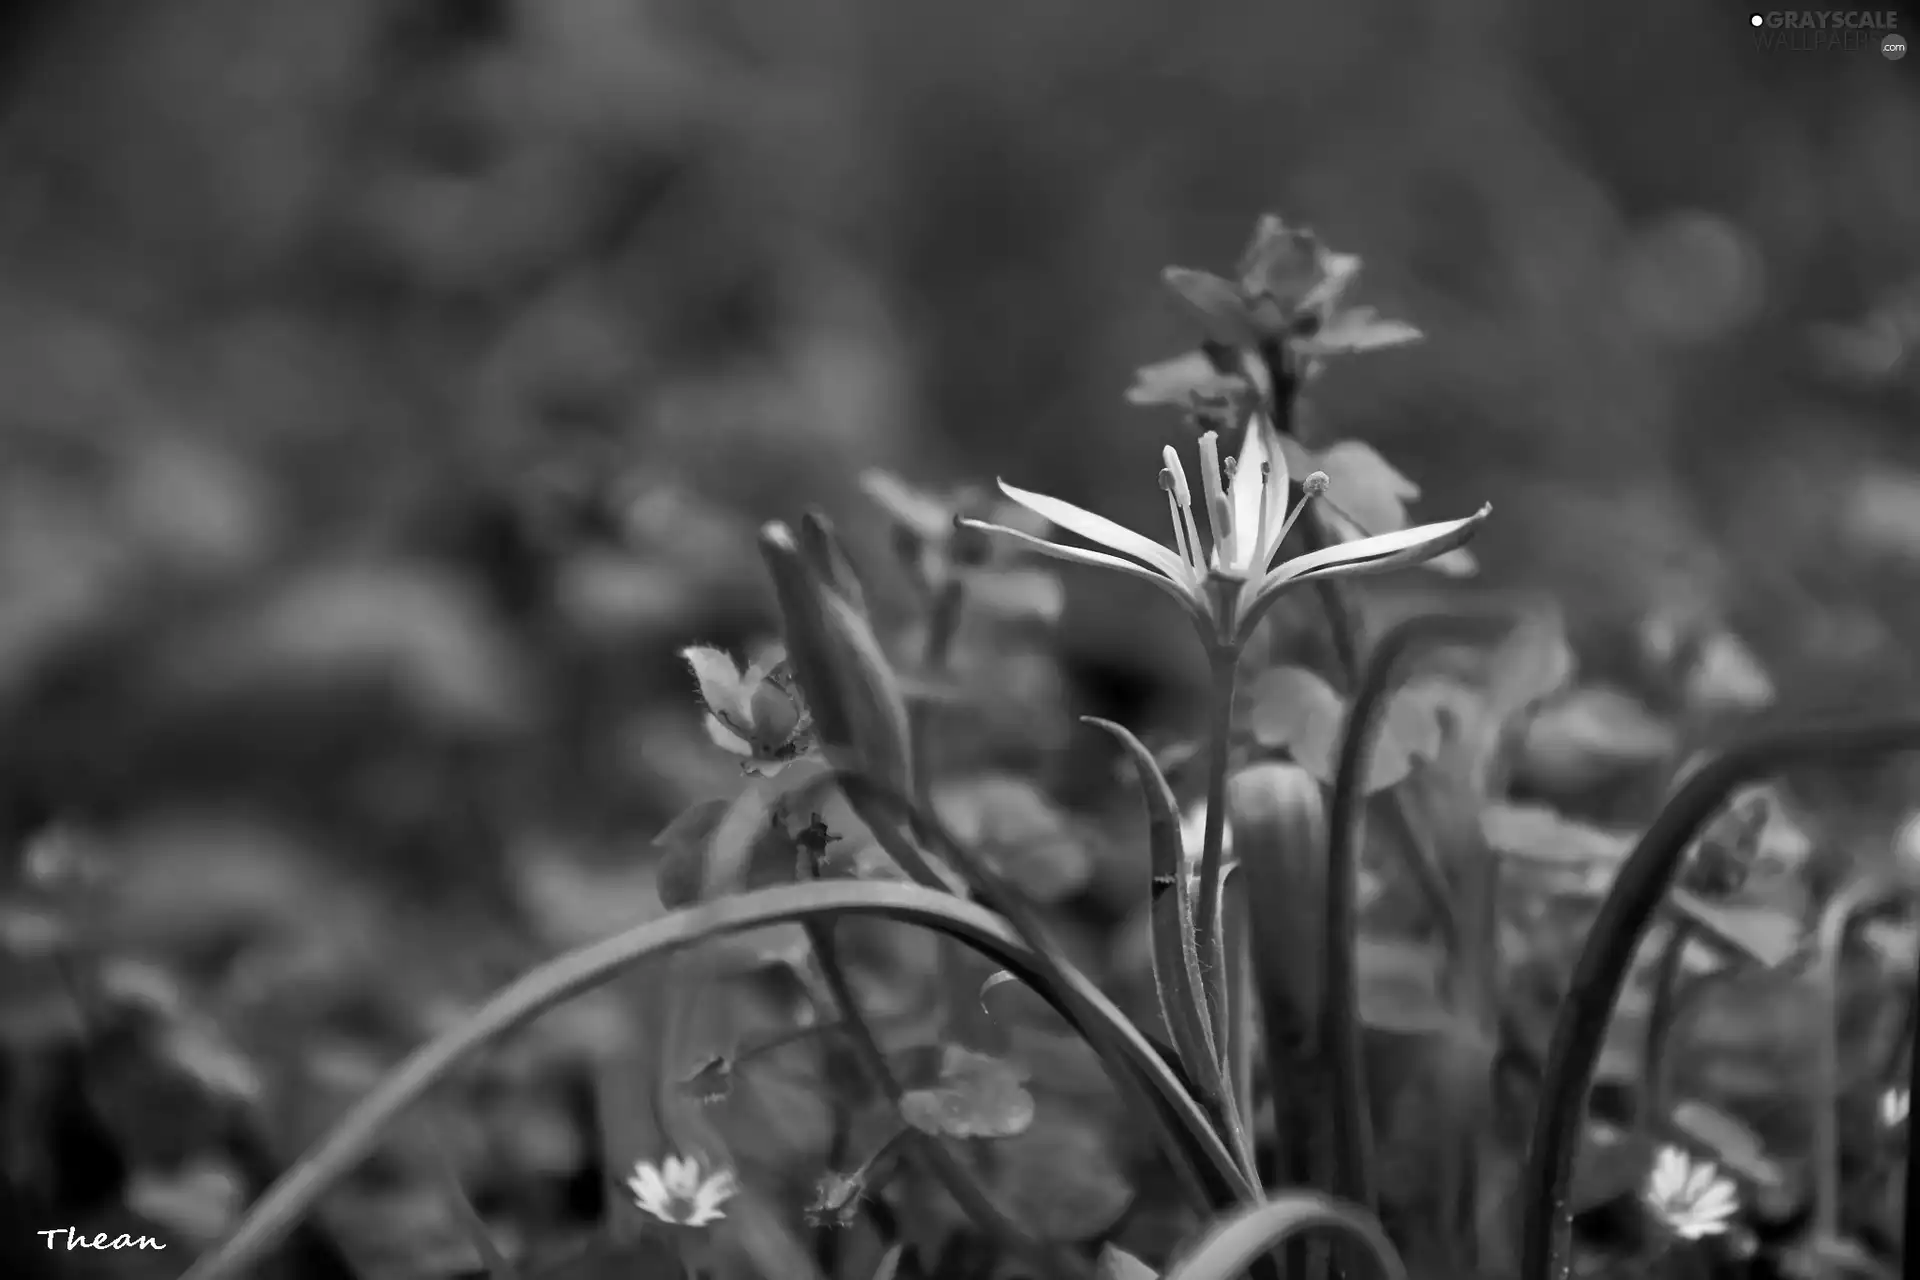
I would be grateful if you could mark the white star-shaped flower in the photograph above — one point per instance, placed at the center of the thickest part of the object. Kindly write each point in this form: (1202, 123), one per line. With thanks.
(677, 1192)
(1691, 1198)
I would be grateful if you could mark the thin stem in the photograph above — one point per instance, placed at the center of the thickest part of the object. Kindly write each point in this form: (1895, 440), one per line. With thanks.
(1655, 1105)
(958, 1181)
(1208, 941)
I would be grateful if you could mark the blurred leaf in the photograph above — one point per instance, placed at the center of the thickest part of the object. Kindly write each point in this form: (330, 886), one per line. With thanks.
(1018, 595)
(1216, 304)
(1118, 1264)
(1060, 1178)
(976, 1097)
(416, 626)
(1732, 1144)
(1366, 487)
(1592, 734)
(1183, 380)
(1727, 676)
(1021, 832)
(1536, 833)
(1610, 1164)
(1292, 707)
(198, 1202)
(1400, 987)
(1358, 330)
(1763, 934)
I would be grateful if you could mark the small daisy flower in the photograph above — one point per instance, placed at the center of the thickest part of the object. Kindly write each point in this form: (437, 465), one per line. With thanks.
(677, 1193)
(1894, 1106)
(1690, 1197)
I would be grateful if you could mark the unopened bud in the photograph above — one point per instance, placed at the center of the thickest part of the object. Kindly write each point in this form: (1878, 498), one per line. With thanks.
(776, 715)
(849, 687)
(1279, 822)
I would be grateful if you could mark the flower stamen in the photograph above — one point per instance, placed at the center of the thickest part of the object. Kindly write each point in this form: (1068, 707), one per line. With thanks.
(1183, 498)
(1219, 510)
(1310, 488)
(1173, 514)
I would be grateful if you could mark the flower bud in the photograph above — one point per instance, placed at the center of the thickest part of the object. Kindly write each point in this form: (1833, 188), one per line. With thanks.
(776, 714)
(1279, 822)
(856, 703)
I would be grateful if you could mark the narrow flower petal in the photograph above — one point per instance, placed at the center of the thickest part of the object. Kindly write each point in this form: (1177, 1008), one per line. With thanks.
(1096, 528)
(1259, 510)
(1182, 589)
(1368, 555)
(648, 1190)
(1385, 551)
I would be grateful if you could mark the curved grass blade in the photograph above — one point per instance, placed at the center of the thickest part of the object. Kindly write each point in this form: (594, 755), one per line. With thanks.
(1176, 964)
(1853, 900)
(1340, 1029)
(366, 1124)
(1639, 888)
(1059, 978)
(1253, 1232)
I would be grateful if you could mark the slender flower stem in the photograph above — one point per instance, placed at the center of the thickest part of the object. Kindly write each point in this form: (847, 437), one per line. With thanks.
(1209, 941)
(946, 1168)
(1654, 1106)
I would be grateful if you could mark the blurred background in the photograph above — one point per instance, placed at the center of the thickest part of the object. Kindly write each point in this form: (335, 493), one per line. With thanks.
(388, 388)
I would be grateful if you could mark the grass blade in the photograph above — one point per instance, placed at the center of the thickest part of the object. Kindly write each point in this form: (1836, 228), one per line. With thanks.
(366, 1124)
(1248, 1234)
(1176, 961)
(1617, 931)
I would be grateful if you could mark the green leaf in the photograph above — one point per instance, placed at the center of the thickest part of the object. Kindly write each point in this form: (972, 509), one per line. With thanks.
(1176, 971)
(1216, 304)
(1294, 708)
(976, 1097)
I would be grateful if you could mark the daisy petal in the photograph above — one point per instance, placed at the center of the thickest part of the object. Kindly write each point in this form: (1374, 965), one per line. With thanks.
(1097, 528)
(649, 1192)
(1074, 555)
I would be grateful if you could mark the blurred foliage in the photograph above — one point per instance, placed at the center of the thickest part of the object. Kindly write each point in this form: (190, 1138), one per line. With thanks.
(389, 390)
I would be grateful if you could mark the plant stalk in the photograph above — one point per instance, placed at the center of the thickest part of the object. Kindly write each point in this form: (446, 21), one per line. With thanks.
(1209, 941)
